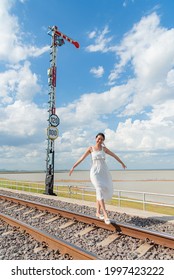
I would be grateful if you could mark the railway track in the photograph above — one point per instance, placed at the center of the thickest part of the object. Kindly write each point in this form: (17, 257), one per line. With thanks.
(72, 251)
(81, 236)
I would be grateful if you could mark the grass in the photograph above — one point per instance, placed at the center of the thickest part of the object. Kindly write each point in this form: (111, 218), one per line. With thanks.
(77, 193)
(166, 210)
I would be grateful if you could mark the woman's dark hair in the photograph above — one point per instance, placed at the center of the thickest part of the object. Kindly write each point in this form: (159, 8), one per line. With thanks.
(101, 134)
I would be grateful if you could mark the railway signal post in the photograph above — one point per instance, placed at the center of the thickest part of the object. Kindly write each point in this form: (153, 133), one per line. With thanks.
(57, 40)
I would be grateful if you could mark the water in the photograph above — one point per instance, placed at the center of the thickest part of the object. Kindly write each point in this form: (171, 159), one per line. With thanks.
(153, 181)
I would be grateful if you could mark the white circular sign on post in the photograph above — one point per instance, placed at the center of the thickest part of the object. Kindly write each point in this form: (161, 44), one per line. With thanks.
(52, 132)
(54, 120)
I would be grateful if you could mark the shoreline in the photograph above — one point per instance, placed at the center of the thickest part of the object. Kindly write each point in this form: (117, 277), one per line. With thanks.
(80, 170)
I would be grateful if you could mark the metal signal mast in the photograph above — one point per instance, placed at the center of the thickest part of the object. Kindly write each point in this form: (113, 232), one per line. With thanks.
(57, 39)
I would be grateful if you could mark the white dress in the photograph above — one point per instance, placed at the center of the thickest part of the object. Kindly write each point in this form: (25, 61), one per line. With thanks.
(100, 176)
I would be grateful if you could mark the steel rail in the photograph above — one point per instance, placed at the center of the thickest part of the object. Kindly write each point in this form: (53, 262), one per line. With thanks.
(53, 243)
(159, 238)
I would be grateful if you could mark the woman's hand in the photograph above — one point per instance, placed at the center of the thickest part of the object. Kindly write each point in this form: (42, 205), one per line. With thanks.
(124, 166)
(71, 171)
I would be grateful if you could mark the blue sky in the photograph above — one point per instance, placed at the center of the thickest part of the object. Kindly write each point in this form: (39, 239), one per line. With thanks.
(120, 81)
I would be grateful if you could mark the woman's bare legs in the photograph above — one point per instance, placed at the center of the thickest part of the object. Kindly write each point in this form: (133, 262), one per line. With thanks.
(98, 208)
(102, 207)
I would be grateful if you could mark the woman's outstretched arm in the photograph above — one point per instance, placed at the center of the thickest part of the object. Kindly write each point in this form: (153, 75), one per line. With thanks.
(107, 151)
(88, 151)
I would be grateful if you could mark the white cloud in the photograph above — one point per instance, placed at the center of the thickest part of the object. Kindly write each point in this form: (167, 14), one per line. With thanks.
(12, 46)
(101, 41)
(22, 122)
(170, 78)
(21, 119)
(18, 83)
(29, 156)
(98, 72)
(88, 110)
(141, 47)
(153, 134)
(148, 49)
(23, 134)
(92, 34)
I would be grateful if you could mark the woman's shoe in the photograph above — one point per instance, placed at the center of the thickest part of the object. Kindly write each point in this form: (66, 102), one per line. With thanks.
(101, 217)
(107, 221)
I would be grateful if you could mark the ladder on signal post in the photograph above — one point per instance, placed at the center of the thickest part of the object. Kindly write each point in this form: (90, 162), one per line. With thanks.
(57, 40)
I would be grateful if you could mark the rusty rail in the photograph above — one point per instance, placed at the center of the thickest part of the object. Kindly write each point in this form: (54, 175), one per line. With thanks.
(53, 243)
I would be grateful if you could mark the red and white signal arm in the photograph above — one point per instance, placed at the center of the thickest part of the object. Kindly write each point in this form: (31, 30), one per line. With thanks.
(52, 132)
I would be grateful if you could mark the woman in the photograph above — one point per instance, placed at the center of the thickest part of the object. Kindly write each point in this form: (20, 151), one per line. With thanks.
(99, 174)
